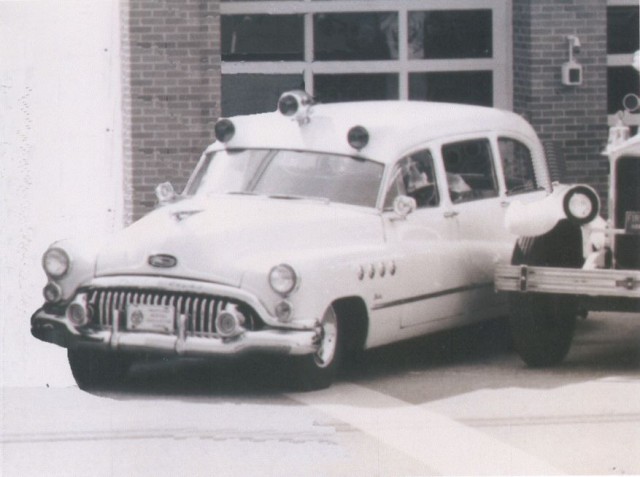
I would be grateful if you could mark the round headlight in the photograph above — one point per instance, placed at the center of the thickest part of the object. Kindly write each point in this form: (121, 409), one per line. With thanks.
(55, 262)
(581, 205)
(283, 279)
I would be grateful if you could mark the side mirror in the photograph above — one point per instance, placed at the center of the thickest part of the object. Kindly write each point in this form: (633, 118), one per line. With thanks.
(165, 193)
(403, 205)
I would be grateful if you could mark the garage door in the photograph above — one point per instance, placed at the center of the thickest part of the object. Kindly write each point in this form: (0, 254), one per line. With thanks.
(60, 155)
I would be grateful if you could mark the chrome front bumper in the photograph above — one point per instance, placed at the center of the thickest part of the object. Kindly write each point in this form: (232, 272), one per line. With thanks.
(55, 329)
(592, 283)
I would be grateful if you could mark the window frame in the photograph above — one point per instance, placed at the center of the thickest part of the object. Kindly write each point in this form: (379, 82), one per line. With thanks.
(500, 64)
(622, 60)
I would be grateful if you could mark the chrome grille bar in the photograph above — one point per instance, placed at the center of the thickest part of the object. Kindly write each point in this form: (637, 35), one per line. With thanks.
(200, 310)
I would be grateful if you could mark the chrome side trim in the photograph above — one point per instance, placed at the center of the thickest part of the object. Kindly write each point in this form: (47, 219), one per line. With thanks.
(429, 296)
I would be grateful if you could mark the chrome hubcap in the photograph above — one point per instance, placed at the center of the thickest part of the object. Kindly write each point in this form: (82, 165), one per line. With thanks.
(328, 339)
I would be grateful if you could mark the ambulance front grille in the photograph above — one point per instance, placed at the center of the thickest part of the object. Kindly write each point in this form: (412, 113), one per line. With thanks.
(201, 310)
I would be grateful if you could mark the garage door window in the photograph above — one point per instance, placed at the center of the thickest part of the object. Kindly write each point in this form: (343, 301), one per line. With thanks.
(623, 40)
(456, 51)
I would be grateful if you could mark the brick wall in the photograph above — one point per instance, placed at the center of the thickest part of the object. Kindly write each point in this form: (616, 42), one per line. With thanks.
(171, 55)
(570, 120)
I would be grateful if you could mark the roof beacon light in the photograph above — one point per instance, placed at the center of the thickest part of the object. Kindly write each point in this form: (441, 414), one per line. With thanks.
(358, 137)
(224, 130)
(296, 105)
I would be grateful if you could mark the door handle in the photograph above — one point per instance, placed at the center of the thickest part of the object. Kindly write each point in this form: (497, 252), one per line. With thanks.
(505, 203)
(450, 214)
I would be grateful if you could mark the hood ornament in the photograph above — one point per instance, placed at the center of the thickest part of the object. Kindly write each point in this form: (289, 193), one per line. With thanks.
(185, 214)
(162, 261)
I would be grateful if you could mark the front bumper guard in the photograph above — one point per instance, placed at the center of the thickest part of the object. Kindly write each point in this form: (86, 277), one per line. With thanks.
(55, 329)
(568, 281)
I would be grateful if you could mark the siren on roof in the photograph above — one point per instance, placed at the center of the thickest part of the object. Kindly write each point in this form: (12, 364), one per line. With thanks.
(296, 105)
(224, 130)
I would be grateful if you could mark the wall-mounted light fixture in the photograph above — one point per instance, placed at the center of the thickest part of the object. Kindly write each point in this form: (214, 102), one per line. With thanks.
(572, 70)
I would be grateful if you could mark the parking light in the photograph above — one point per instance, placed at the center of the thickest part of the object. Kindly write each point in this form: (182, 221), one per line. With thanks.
(284, 311)
(52, 292)
(229, 324)
(77, 314)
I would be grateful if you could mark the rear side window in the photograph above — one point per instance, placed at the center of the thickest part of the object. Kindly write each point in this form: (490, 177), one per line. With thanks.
(517, 164)
(470, 171)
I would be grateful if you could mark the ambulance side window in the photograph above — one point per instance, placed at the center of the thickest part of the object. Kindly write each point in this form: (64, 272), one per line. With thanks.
(414, 176)
(517, 164)
(470, 170)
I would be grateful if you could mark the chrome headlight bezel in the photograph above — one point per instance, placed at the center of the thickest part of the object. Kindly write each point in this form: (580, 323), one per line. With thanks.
(283, 279)
(581, 205)
(56, 262)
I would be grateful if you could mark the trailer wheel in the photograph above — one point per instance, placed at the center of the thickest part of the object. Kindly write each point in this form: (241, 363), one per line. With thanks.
(542, 325)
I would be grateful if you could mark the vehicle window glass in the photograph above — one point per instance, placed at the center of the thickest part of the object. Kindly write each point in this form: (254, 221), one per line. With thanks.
(414, 176)
(355, 36)
(262, 37)
(517, 165)
(470, 172)
(289, 174)
(450, 34)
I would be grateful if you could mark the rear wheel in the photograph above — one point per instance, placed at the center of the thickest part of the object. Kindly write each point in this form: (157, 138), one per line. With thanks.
(317, 370)
(542, 325)
(97, 369)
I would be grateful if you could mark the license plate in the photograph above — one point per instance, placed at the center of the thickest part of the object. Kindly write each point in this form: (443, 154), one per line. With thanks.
(632, 222)
(158, 318)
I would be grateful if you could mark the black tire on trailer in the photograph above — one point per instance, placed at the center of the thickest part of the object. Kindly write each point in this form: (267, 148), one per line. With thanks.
(543, 325)
(94, 369)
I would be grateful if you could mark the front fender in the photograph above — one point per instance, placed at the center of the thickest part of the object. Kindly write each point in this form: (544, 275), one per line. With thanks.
(82, 257)
(324, 276)
(540, 217)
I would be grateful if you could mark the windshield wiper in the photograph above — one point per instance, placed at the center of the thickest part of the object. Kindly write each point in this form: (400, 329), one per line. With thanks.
(298, 197)
(242, 192)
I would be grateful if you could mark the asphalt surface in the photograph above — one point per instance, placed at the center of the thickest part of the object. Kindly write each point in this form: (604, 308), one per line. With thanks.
(458, 403)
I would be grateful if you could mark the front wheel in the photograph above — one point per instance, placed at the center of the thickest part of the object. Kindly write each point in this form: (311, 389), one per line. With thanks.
(97, 369)
(317, 370)
(542, 325)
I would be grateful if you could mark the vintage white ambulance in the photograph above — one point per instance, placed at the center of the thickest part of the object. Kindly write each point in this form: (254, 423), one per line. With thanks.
(312, 231)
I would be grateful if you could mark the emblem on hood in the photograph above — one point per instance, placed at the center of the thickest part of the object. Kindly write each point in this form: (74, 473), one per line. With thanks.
(185, 214)
(162, 261)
